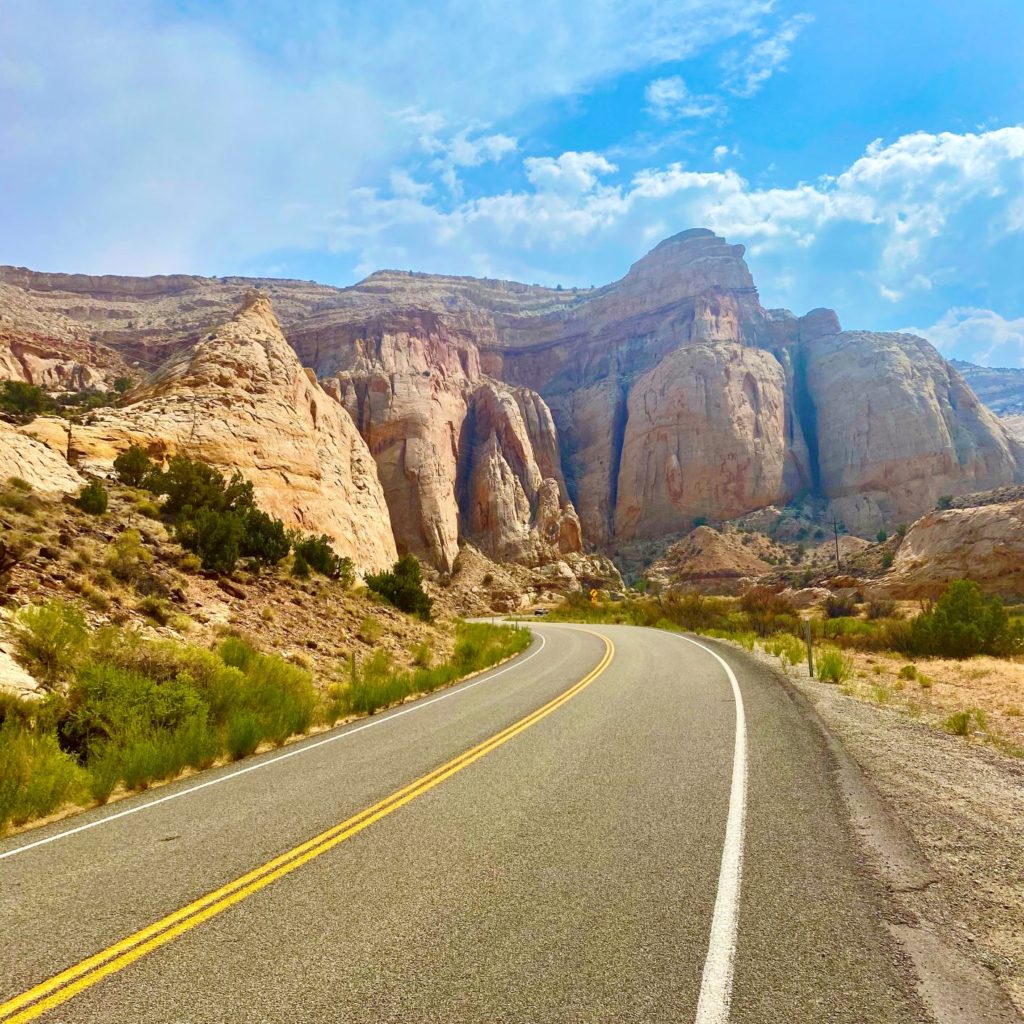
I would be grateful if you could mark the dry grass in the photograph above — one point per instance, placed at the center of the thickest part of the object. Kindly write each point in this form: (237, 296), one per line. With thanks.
(943, 687)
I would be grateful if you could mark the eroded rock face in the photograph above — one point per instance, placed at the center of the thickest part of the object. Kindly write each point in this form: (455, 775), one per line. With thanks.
(509, 508)
(36, 462)
(897, 427)
(241, 401)
(669, 395)
(704, 436)
(985, 544)
(457, 454)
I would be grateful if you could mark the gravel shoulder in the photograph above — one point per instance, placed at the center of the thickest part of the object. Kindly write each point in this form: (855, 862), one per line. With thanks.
(962, 804)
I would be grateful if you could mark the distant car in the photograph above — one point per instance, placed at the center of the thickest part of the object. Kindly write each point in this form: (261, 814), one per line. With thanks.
(540, 611)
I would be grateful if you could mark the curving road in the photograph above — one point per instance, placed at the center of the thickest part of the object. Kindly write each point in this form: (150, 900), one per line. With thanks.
(620, 825)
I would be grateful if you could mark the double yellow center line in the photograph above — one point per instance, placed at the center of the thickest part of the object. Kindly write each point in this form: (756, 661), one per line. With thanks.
(69, 983)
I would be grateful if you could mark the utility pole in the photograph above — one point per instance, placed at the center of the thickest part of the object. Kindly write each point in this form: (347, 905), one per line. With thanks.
(835, 533)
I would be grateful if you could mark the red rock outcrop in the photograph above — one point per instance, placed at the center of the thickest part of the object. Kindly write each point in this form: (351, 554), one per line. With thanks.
(897, 427)
(704, 436)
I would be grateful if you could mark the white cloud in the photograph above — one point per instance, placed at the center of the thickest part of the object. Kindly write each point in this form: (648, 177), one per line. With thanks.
(979, 335)
(671, 98)
(747, 72)
(721, 153)
(405, 186)
(143, 136)
(571, 173)
(465, 150)
(910, 216)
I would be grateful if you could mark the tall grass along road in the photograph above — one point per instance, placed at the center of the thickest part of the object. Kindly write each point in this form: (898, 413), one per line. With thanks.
(562, 838)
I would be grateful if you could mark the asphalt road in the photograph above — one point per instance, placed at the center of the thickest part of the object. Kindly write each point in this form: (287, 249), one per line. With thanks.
(646, 848)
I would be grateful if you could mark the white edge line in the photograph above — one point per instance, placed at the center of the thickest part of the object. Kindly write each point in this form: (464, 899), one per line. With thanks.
(303, 749)
(716, 981)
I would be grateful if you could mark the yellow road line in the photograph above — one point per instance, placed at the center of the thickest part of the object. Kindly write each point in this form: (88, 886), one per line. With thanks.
(71, 982)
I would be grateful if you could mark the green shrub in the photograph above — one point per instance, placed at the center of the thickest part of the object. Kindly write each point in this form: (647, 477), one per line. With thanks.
(23, 402)
(107, 703)
(767, 610)
(300, 567)
(36, 776)
(133, 467)
(422, 655)
(104, 772)
(963, 623)
(264, 538)
(834, 666)
(155, 608)
(908, 672)
(881, 608)
(839, 606)
(280, 695)
(959, 723)
(215, 536)
(402, 586)
(789, 649)
(881, 536)
(49, 639)
(191, 485)
(128, 557)
(92, 498)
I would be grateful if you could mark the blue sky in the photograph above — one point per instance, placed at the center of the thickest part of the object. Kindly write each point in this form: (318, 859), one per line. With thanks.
(870, 155)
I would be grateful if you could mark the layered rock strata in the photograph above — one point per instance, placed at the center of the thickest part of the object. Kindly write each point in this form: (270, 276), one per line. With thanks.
(496, 411)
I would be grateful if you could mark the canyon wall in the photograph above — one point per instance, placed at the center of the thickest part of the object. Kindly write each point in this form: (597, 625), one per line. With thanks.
(535, 422)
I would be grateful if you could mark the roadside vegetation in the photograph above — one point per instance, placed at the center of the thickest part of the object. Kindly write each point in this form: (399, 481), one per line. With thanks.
(963, 648)
(125, 711)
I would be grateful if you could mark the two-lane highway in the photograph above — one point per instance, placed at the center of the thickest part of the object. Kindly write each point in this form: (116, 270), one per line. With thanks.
(620, 825)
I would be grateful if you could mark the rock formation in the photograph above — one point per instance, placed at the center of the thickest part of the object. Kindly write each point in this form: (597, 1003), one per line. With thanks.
(496, 411)
(983, 543)
(241, 400)
(897, 427)
(35, 462)
(707, 560)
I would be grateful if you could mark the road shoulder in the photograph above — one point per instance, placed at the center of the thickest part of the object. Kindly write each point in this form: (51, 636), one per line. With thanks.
(942, 823)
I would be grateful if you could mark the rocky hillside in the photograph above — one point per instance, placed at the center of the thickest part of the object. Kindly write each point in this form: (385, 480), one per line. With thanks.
(538, 422)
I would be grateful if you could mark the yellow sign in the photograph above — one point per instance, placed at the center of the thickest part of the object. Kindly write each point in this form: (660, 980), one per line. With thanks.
(594, 595)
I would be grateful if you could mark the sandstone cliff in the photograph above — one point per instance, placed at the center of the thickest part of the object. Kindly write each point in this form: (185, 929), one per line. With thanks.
(241, 400)
(984, 543)
(497, 411)
(36, 463)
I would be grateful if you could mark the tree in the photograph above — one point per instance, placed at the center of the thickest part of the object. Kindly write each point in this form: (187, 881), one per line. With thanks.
(881, 536)
(23, 402)
(264, 538)
(215, 536)
(963, 623)
(191, 484)
(318, 554)
(133, 466)
(92, 498)
(402, 586)
(122, 384)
